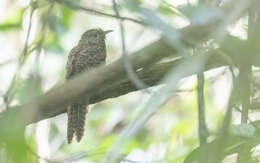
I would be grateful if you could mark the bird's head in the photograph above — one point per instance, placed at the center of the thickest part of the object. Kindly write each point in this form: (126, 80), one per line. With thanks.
(94, 35)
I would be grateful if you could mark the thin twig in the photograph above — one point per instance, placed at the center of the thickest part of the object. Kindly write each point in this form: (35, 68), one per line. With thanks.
(240, 111)
(217, 153)
(245, 75)
(9, 93)
(127, 64)
(202, 124)
(246, 93)
(74, 6)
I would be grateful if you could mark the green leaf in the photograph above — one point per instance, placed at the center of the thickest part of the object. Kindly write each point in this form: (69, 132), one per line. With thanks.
(133, 4)
(237, 140)
(13, 21)
(66, 17)
(6, 27)
(200, 14)
(28, 88)
(54, 47)
(245, 130)
(52, 43)
(166, 9)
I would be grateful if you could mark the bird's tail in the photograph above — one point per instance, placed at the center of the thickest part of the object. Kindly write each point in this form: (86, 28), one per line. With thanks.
(76, 121)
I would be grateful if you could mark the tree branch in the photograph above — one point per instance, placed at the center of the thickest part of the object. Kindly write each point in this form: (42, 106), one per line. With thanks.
(109, 81)
(151, 76)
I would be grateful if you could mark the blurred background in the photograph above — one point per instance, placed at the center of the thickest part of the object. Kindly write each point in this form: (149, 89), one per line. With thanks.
(35, 39)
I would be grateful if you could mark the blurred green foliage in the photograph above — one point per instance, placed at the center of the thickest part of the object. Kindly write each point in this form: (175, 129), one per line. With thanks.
(13, 21)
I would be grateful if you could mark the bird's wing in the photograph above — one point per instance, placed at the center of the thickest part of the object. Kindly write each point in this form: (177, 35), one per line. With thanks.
(70, 62)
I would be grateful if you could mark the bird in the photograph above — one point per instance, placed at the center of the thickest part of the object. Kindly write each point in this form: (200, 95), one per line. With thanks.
(89, 53)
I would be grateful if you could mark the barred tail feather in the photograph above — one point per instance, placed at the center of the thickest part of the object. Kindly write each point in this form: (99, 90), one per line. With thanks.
(70, 126)
(80, 121)
(76, 121)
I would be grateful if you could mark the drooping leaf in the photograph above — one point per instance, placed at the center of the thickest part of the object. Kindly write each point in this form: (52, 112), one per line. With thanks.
(13, 20)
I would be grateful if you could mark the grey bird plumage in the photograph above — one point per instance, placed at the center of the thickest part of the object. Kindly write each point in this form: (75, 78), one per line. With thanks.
(89, 53)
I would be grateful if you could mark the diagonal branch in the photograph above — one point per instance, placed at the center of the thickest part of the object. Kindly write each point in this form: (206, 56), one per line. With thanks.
(53, 103)
(109, 81)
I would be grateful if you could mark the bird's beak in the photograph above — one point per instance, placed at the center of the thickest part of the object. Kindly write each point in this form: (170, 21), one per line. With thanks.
(108, 31)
